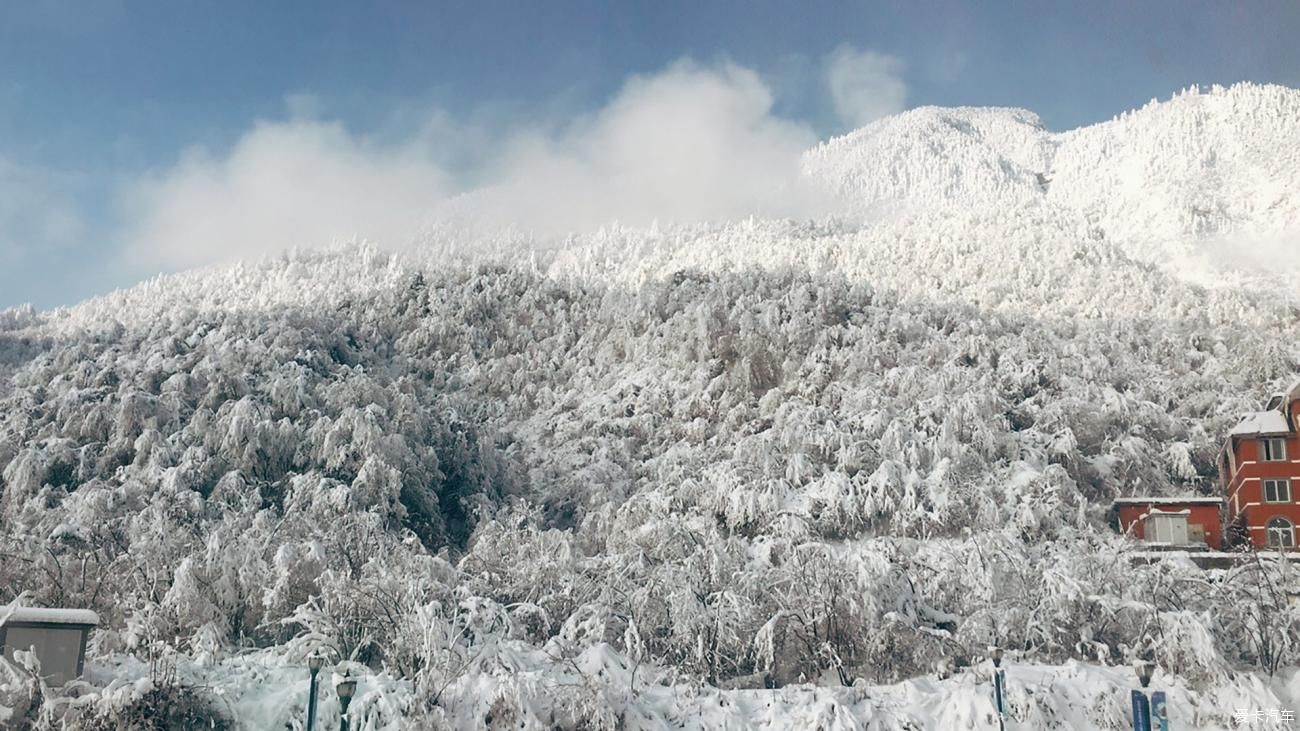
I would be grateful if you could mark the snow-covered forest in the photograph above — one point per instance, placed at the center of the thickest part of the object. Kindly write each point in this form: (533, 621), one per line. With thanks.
(763, 473)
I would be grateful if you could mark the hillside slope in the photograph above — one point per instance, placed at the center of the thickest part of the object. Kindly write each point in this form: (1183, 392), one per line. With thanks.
(600, 482)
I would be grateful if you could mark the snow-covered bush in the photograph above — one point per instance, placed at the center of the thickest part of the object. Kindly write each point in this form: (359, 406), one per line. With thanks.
(157, 708)
(1258, 612)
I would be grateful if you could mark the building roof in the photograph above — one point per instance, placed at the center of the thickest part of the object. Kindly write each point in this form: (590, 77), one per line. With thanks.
(1293, 391)
(1261, 422)
(1167, 501)
(48, 616)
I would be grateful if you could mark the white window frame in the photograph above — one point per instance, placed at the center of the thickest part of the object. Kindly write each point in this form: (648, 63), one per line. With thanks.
(1280, 532)
(1168, 528)
(1281, 489)
(1267, 454)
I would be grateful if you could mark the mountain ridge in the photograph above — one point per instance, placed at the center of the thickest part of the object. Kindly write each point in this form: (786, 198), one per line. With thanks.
(1169, 181)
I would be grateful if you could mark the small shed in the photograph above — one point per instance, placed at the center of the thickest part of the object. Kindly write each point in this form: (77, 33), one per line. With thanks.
(1171, 521)
(58, 637)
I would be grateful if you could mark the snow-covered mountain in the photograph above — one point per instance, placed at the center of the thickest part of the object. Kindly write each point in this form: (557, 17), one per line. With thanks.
(933, 157)
(1202, 183)
(629, 481)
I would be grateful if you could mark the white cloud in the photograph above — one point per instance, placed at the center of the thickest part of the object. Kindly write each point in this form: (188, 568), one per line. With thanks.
(289, 184)
(864, 85)
(689, 144)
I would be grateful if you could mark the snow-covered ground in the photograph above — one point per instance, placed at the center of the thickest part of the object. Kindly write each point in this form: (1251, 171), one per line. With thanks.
(600, 689)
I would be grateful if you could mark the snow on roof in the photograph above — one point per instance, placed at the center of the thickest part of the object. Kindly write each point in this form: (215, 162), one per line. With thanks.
(1168, 501)
(48, 616)
(1261, 422)
(1158, 511)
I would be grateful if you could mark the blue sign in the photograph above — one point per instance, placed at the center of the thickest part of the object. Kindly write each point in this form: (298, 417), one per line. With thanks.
(1141, 712)
(1159, 711)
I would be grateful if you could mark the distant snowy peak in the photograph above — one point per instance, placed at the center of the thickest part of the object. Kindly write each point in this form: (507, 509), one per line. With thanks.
(1206, 182)
(1204, 163)
(934, 156)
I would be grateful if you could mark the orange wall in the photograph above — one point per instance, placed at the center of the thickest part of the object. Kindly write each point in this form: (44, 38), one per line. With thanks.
(1245, 489)
(1206, 516)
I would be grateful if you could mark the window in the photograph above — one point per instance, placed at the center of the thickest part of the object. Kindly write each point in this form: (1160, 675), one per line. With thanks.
(1277, 491)
(1272, 449)
(1166, 528)
(1281, 534)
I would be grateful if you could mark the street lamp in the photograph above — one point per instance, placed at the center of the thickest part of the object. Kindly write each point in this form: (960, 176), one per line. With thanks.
(1144, 672)
(999, 686)
(345, 688)
(314, 664)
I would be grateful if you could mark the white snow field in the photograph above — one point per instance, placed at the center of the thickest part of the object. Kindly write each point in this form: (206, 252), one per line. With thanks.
(746, 474)
(523, 688)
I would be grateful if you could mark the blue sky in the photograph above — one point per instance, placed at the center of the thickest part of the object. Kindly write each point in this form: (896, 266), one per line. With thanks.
(131, 130)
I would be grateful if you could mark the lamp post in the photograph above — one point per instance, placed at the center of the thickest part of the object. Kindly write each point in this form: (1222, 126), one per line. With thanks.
(314, 664)
(999, 686)
(345, 688)
(1147, 712)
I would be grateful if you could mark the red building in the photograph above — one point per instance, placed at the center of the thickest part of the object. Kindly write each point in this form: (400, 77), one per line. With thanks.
(1260, 471)
(1183, 522)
